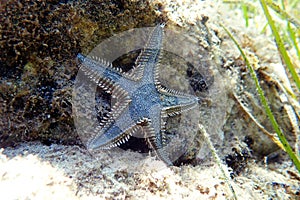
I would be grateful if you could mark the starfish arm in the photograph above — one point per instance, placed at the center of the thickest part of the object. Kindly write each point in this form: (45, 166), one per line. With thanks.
(155, 141)
(174, 105)
(95, 67)
(110, 87)
(115, 134)
(151, 51)
(149, 54)
(106, 76)
(155, 135)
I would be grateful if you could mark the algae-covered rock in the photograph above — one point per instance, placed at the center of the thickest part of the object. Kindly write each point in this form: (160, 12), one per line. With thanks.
(39, 43)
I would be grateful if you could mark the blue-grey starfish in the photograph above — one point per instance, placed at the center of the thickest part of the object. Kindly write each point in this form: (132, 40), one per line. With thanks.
(143, 104)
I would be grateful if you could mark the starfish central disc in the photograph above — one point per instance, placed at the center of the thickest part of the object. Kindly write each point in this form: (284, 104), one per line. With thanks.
(142, 100)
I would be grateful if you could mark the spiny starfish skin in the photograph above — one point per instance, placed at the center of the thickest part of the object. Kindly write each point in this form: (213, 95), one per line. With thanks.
(143, 104)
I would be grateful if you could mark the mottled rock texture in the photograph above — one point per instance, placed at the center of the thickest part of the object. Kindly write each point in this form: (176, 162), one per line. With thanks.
(39, 41)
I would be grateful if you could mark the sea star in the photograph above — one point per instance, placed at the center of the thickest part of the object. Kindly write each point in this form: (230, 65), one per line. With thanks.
(143, 104)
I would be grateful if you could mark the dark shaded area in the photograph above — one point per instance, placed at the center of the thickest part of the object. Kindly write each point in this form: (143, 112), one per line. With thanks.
(136, 144)
(237, 161)
(196, 80)
(126, 62)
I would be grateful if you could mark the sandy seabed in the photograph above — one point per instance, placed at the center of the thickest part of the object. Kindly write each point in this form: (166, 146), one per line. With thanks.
(36, 171)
